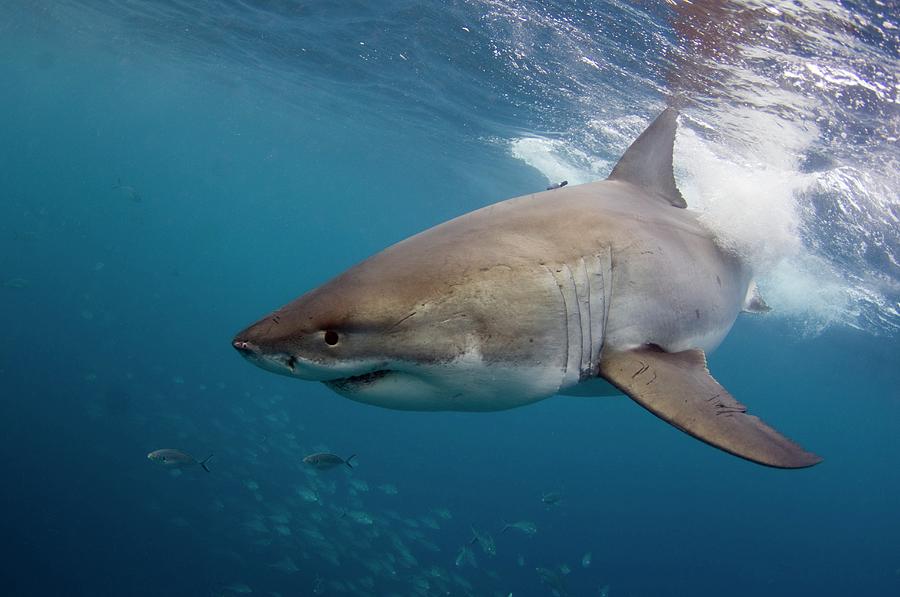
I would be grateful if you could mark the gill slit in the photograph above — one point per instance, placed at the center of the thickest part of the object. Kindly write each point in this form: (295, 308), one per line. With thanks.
(590, 319)
(562, 295)
(576, 313)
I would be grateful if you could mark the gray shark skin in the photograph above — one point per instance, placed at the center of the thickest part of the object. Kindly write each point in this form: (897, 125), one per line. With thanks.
(603, 288)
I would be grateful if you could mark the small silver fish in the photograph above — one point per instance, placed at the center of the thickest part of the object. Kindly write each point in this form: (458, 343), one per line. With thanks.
(389, 489)
(586, 560)
(360, 517)
(485, 540)
(16, 283)
(465, 556)
(551, 498)
(286, 565)
(554, 580)
(324, 460)
(171, 458)
(128, 191)
(525, 526)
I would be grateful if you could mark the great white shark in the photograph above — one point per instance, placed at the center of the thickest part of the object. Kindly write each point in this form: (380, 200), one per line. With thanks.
(597, 289)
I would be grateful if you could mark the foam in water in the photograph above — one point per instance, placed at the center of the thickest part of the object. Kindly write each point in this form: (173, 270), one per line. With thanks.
(751, 200)
(558, 160)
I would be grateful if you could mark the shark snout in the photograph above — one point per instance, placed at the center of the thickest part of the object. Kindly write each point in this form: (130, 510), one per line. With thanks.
(244, 347)
(277, 362)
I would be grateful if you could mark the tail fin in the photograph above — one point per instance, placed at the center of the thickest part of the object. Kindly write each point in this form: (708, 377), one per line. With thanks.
(506, 526)
(203, 463)
(347, 461)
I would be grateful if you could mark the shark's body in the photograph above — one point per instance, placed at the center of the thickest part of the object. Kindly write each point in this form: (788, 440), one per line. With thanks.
(592, 289)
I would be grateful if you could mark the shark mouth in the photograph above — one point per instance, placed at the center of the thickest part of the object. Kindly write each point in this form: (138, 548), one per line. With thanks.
(356, 382)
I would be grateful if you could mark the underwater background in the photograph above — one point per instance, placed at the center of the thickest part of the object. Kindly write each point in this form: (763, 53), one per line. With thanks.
(172, 170)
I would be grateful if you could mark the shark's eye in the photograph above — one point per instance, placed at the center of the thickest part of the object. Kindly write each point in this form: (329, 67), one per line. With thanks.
(331, 337)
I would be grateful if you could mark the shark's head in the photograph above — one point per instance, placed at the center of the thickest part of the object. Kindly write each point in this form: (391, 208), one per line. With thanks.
(314, 338)
(394, 332)
(324, 336)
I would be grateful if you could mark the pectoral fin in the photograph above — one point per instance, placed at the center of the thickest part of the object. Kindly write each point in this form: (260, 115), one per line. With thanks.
(678, 388)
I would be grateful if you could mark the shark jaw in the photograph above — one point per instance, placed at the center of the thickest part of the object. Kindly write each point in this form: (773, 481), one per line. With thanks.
(465, 383)
(293, 365)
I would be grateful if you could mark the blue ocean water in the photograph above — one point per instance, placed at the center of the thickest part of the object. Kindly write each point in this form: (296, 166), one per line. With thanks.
(172, 170)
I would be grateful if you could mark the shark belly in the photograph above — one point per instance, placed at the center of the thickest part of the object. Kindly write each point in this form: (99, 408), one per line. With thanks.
(467, 384)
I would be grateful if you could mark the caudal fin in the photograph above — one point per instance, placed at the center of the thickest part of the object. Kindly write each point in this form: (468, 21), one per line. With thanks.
(506, 526)
(347, 461)
(203, 463)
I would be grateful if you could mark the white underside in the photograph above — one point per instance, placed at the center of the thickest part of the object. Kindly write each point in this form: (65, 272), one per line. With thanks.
(463, 384)
(591, 387)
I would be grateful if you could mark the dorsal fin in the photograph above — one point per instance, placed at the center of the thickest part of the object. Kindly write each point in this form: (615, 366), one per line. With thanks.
(648, 162)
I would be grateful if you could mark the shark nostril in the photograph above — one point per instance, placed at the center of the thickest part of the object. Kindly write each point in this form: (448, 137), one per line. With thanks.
(242, 346)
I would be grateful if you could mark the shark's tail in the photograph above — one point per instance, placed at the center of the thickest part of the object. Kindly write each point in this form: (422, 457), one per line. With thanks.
(203, 463)
(347, 461)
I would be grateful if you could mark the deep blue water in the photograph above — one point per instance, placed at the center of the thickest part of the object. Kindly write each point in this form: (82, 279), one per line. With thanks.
(274, 144)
